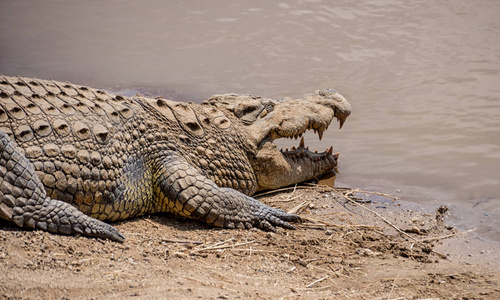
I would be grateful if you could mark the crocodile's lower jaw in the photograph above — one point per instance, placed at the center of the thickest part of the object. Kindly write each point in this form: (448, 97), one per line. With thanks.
(280, 168)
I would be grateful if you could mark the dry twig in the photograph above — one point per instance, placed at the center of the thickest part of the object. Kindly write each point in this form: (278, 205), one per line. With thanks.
(445, 236)
(317, 281)
(181, 241)
(155, 225)
(325, 223)
(214, 247)
(284, 200)
(299, 207)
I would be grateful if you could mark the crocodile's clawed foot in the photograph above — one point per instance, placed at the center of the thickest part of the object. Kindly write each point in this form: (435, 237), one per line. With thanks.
(63, 218)
(95, 228)
(273, 217)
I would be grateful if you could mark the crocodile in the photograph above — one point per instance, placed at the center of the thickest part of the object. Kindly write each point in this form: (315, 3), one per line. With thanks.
(74, 158)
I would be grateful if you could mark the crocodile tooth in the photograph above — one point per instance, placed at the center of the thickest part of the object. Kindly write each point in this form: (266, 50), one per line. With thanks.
(314, 131)
(341, 123)
(330, 151)
(293, 148)
(296, 137)
(301, 145)
(320, 134)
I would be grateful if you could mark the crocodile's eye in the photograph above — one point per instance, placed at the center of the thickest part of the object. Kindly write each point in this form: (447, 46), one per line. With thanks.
(269, 106)
(249, 112)
(248, 109)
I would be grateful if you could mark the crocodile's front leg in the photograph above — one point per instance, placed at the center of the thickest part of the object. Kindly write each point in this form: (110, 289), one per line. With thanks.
(24, 201)
(184, 191)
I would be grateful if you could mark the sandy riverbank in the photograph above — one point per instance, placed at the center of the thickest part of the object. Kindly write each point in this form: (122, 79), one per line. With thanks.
(342, 250)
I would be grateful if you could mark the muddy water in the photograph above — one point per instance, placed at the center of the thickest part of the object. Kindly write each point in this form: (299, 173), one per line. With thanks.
(423, 77)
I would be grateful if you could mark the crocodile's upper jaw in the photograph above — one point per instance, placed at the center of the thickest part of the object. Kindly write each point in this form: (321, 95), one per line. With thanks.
(288, 119)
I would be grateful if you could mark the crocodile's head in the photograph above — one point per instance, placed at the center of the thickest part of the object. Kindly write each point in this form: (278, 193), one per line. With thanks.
(264, 120)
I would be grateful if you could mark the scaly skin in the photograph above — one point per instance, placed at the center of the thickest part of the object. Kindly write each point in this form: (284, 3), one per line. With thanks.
(72, 156)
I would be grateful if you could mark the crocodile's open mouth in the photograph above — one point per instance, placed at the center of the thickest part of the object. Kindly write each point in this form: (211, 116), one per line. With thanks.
(298, 163)
(270, 120)
(302, 152)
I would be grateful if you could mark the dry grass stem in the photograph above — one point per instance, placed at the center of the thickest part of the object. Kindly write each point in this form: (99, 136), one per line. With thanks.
(282, 190)
(446, 236)
(284, 200)
(252, 250)
(302, 205)
(155, 225)
(325, 223)
(316, 281)
(366, 193)
(209, 248)
(181, 241)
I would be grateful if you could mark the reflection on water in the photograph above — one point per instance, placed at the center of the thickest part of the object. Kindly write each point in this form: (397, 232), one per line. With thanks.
(422, 76)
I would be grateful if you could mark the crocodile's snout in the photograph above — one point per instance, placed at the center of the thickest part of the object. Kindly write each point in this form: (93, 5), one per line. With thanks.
(291, 119)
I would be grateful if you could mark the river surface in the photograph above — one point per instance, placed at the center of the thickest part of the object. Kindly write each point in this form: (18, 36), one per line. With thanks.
(423, 77)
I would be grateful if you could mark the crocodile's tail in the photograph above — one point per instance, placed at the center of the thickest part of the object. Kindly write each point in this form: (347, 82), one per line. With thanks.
(24, 201)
